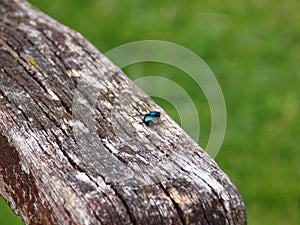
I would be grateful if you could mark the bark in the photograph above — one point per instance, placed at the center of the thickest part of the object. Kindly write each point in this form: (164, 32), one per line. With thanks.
(73, 153)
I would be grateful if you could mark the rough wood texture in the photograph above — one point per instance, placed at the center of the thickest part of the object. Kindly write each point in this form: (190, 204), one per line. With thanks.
(71, 151)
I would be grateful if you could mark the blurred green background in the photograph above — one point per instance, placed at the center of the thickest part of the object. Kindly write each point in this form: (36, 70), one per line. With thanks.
(253, 48)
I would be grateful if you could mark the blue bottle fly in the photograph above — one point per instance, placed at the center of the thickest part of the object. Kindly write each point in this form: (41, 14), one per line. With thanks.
(151, 118)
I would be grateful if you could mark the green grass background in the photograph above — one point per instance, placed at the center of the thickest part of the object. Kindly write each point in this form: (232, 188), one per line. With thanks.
(253, 48)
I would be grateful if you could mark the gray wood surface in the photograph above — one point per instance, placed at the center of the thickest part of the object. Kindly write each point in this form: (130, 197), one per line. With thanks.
(71, 151)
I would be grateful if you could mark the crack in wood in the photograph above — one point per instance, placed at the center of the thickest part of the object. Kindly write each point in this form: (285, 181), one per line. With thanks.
(182, 215)
(43, 65)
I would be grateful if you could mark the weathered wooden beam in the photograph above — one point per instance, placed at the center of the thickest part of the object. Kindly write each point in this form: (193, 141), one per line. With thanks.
(72, 153)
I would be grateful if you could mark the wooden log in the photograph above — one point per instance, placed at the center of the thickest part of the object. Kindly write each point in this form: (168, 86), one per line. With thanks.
(73, 153)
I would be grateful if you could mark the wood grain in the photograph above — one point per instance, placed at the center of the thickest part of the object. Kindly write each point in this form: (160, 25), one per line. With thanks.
(71, 151)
